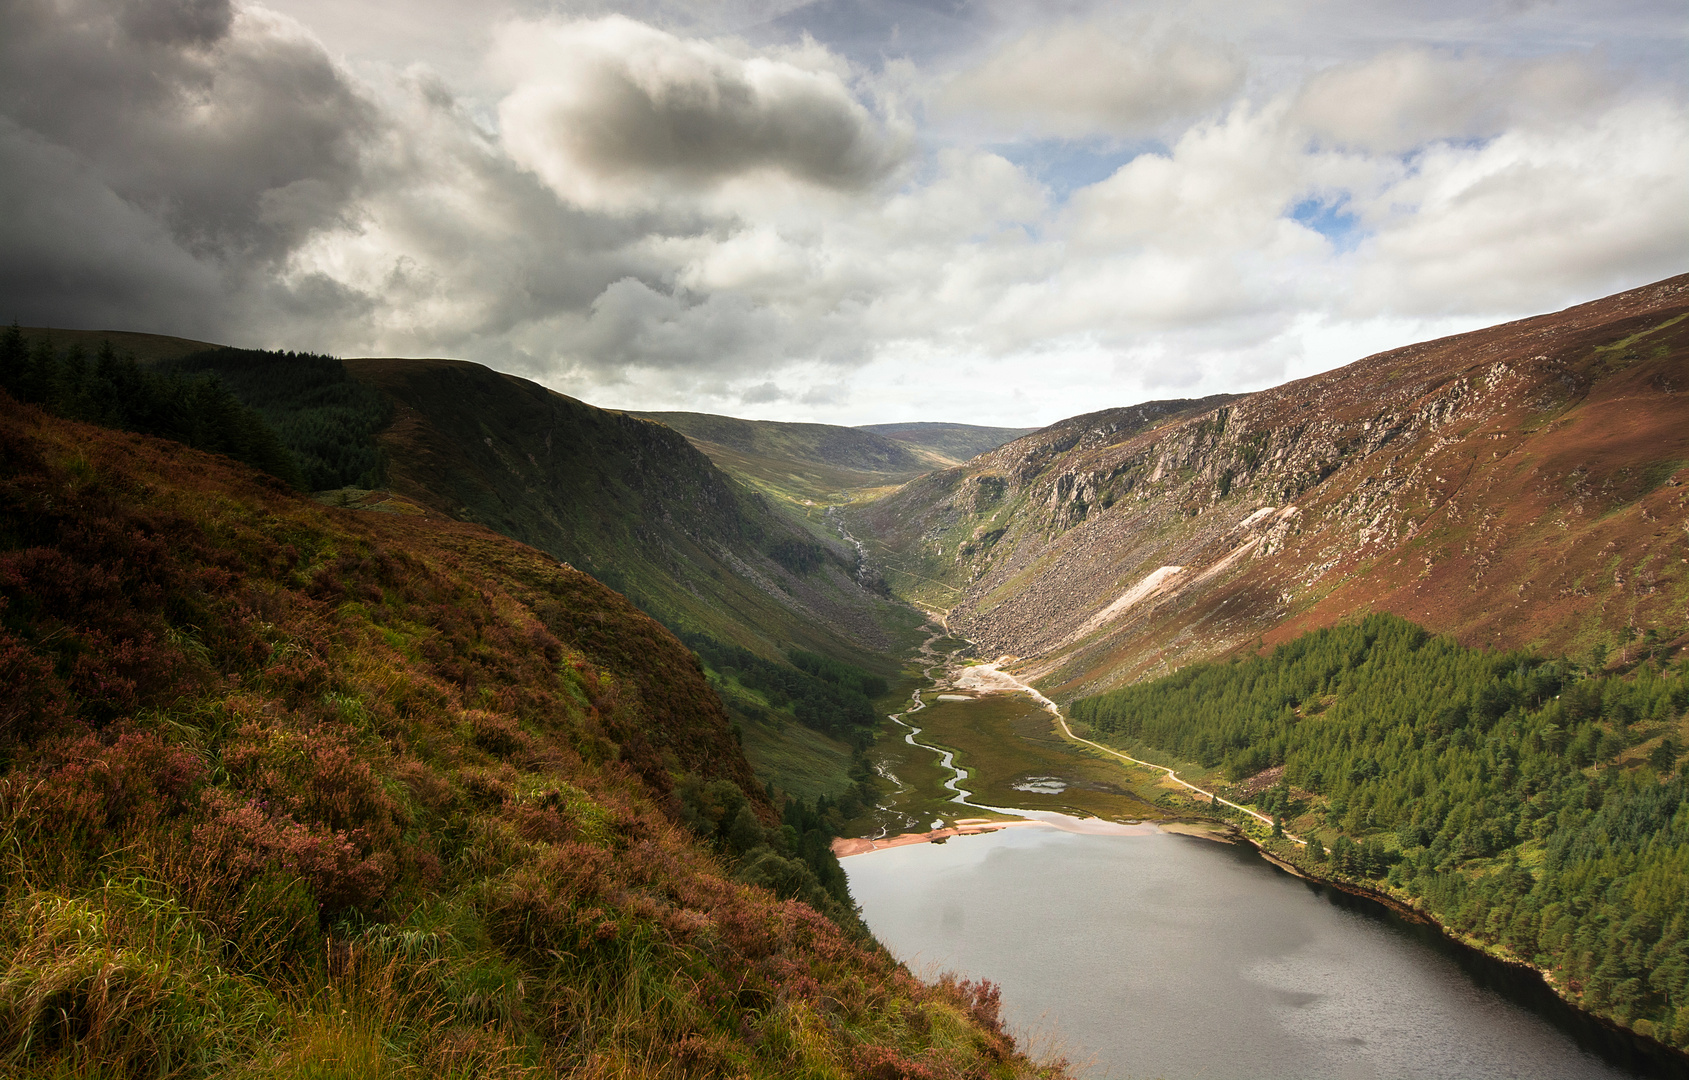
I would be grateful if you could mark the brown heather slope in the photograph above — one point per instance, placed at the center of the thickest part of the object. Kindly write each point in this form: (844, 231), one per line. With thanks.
(1519, 486)
(297, 791)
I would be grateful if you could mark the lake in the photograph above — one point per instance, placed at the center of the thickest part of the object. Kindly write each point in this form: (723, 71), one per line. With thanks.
(1169, 956)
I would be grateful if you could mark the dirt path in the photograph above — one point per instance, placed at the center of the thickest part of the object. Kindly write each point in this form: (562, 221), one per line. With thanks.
(990, 676)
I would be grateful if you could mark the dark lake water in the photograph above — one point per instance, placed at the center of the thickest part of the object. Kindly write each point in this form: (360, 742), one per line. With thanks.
(1168, 956)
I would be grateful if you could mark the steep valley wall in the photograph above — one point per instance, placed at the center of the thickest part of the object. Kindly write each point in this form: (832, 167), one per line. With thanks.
(1522, 485)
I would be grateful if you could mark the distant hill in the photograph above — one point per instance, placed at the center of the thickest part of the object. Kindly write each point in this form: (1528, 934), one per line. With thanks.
(141, 346)
(818, 444)
(825, 463)
(958, 442)
(1519, 486)
(804, 463)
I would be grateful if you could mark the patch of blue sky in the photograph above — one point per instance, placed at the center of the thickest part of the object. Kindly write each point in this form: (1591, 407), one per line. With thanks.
(1066, 165)
(869, 32)
(1331, 218)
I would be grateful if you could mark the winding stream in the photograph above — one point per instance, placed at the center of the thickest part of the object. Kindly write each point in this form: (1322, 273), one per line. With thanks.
(946, 759)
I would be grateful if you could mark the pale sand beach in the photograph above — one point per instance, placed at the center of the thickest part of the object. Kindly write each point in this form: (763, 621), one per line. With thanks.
(844, 847)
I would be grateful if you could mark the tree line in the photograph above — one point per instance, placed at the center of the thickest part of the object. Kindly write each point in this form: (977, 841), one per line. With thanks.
(300, 417)
(1536, 804)
(114, 390)
(329, 421)
(820, 693)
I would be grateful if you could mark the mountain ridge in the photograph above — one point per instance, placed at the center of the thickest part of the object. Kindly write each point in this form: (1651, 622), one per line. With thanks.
(1268, 514)
(956, 442)
(819, 464)
(626, 499)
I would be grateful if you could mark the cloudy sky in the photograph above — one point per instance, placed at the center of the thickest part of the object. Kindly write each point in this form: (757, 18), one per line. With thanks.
(848, 210)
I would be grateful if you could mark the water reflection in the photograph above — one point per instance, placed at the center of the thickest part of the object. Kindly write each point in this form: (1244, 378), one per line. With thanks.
(1175, 957)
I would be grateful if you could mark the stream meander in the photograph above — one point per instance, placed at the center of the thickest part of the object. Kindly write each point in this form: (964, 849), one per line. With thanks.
(1158, 955)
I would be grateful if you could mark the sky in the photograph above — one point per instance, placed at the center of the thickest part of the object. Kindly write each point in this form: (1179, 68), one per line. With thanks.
(845, 211)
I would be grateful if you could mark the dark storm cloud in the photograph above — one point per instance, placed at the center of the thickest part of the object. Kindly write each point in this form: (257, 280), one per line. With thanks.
(177, 21)
(74, 254)
(236, 131)
(615, 98)
(172, 151)
(177, 164)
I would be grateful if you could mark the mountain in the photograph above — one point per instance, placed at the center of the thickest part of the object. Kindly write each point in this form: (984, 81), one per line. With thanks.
(1519, 486)
(825, 464)
(956, 442)
(938, 532)
(306, 790)
(633, 503)
(803, 463)
(626, 499)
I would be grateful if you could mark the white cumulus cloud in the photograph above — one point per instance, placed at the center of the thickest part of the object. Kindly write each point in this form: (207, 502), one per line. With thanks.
(1077, 79)
(611, 110)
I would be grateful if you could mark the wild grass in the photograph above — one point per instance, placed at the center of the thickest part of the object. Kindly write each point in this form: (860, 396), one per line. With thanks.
(295, 792)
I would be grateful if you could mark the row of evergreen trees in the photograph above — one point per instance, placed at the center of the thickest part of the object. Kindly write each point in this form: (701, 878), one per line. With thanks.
(328, 420)
(840, 674)
(300, 417)
(114, 390)
(1535, 804)
(824, 694)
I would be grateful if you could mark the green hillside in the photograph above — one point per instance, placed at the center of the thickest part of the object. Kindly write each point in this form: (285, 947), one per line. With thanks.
(143, 347)
(819, 444)
(626, 500)
(823, 464)
(1537, 807)
(958, 442)
(804, 463)
(295, 791)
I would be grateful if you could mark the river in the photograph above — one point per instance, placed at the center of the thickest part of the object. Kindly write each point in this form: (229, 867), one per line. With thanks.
(1169, 956)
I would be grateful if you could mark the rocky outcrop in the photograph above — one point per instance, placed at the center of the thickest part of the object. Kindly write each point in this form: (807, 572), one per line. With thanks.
(1517, 485)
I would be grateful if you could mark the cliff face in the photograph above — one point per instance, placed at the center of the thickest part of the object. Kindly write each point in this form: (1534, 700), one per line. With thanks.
(1520, 485)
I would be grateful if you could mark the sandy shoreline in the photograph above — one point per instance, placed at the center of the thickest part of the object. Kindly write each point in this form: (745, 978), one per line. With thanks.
(845, 847)
(971, 682)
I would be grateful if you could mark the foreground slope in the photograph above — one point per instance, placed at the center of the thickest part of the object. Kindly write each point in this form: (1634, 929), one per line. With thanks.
(628, 501)
(292, 790)
(1516, 486)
